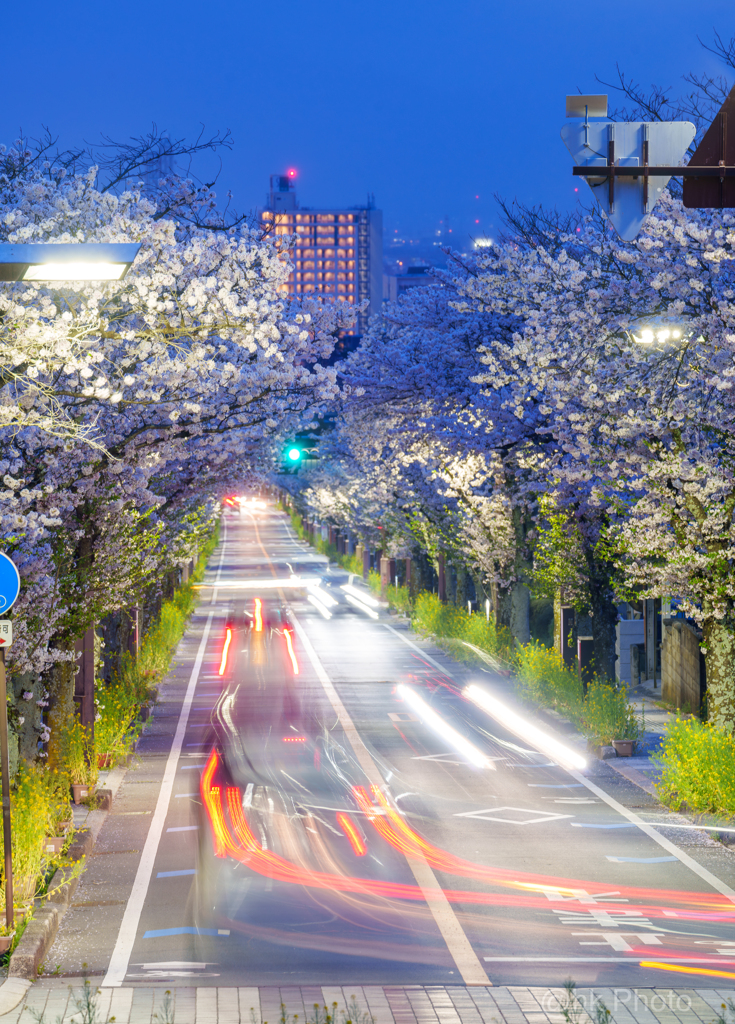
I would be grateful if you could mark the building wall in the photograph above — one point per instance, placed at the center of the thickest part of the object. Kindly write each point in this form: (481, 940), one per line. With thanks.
(627, 632)
(680, 664)
(337, 254)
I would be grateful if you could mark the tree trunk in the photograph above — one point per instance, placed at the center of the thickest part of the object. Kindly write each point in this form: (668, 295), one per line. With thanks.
(719, 638)
(61, 708)
(557, 621)
(520, 613)
(604, 613)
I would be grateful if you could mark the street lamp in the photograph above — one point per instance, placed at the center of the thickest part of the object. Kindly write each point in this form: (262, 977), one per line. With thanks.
(48, 261)
(66, 261)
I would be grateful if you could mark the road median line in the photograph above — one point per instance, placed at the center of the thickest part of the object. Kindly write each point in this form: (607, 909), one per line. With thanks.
(467, 961)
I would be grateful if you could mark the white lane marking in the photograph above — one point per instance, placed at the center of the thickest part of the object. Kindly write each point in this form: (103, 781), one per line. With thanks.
(183, 796)
(213, 599)
(120, 958)
(467, 961)
(703, 873)
(183, 828)
(492, 814)
(418, 649)
(651, 832)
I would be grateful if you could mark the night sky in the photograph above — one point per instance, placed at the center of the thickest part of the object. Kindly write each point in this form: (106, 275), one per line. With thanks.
(427, 103)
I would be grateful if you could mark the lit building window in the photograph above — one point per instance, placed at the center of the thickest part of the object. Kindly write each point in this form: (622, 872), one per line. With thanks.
(329, 277)
(329, 264)
(308, 277)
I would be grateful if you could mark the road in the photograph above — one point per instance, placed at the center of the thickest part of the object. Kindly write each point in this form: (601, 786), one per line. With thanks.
(510, 871)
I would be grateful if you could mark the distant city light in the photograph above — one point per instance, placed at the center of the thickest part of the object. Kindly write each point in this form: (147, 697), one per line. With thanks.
(292, 173)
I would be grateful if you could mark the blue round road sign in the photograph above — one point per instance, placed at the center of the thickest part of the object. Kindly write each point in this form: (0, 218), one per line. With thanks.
(9, 584)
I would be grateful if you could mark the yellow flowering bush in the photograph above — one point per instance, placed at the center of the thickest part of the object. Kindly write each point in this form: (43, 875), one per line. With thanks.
(39, 802)
(697, 767)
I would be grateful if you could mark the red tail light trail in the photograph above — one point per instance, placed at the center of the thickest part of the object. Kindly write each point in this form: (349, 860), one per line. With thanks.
(350, 830)
(223, 663)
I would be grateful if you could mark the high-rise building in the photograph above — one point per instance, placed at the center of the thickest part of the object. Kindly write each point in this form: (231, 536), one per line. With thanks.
(337, 254)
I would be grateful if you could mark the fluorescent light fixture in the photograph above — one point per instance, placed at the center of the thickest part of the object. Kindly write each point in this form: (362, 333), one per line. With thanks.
(319, 606)
(363, 607)
(67, 261)
(75, 272)
(524, 729)
(360, 595)
(437, 724)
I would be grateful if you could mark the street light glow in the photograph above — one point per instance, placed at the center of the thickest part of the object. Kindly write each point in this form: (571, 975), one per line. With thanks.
(294, 454)
(66, 261)
(75, 272)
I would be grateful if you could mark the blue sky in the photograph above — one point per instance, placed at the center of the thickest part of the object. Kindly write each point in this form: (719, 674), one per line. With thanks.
(426, 103)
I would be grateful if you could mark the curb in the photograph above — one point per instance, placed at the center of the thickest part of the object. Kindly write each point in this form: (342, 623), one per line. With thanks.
(42, 929)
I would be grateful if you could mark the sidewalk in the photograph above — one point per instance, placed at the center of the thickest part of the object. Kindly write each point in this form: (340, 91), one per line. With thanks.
(386, 1005)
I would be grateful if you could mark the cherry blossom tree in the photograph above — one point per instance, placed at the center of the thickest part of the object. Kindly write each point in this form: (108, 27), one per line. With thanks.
(627, 351)
(127, 409)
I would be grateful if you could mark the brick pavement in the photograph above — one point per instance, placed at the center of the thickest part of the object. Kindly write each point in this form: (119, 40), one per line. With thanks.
(56, 1003)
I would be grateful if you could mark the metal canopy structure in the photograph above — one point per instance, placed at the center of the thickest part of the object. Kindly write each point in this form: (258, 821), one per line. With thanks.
(628, 164)
(710, 179)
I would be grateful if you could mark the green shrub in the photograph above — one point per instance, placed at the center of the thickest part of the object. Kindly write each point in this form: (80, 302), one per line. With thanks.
(399, 598)
(447, 622)
(543, 677)
(351, 563)
(697, 767)
(607, 714)
(115, 729)
(80, 757)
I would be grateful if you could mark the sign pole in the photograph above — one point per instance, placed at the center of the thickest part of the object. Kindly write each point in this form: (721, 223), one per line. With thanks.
(5, 773)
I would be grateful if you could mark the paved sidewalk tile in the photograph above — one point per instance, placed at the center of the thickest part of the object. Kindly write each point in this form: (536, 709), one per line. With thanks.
(249, 1005)
(378, 1004)
(228, 1006)
(392, 1004)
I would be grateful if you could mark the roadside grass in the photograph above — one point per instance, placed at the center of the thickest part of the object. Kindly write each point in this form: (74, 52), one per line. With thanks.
(119, 702)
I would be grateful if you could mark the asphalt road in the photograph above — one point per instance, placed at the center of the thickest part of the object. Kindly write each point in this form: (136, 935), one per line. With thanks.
(512, 870)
